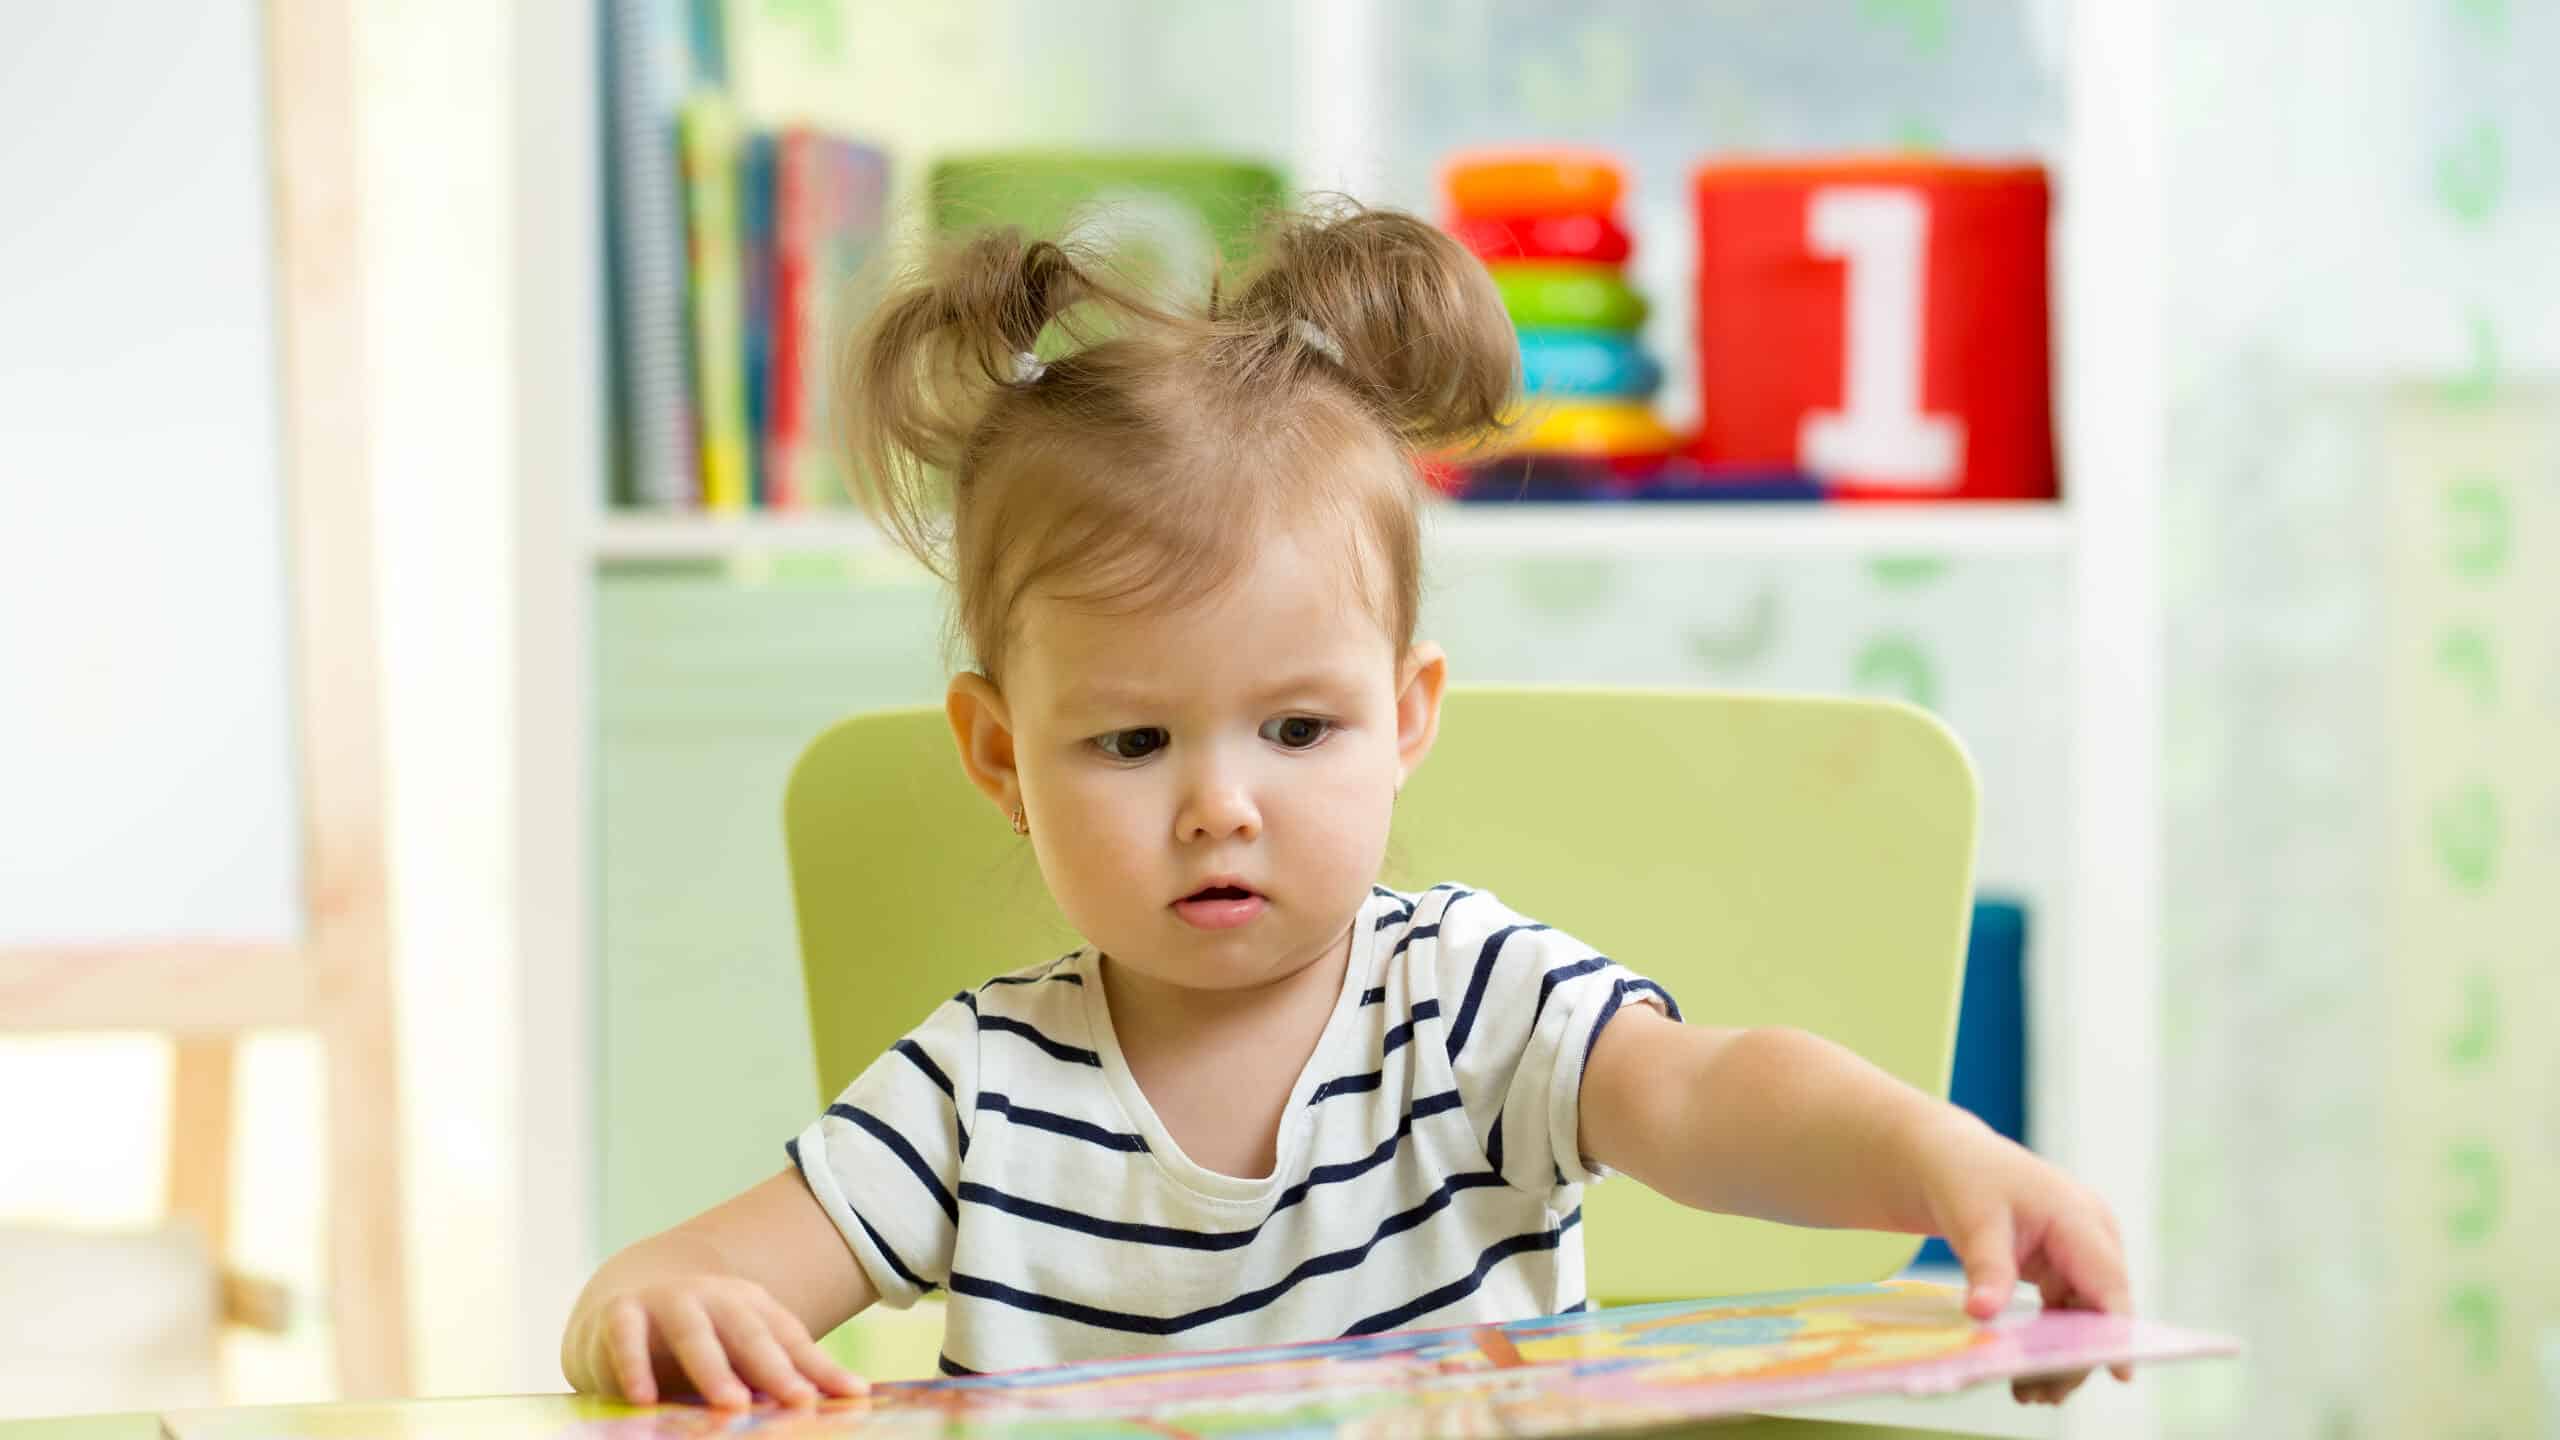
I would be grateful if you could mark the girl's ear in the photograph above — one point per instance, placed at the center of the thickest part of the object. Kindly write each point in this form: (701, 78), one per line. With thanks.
(983, 728)
(1419, 681)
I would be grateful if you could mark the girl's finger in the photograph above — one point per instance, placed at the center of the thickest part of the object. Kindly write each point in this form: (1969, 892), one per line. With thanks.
(1990, 1264)
(812, 1360)
(2047, 1389)
(759, 1358)
(2053, 1284)
(2091, 1265)
(696, 1344)
(627, 1336)
(2105, 1289)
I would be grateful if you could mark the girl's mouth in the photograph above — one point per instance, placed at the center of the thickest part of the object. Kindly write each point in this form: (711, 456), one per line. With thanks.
(1219, 907)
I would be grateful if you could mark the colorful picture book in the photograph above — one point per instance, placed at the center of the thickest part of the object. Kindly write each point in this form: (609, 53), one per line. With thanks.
(1638, 1367)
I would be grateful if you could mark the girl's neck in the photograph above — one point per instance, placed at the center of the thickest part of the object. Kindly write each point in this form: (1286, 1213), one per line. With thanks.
(1144, 1008)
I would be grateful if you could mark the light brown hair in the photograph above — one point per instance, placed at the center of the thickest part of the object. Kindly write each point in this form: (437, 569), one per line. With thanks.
(1163, 438)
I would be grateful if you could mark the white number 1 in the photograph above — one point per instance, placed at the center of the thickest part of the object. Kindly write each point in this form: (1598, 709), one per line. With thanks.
(1879, 436)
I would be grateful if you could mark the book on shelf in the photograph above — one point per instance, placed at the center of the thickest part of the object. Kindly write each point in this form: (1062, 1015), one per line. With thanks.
(759, 306)
(708, 137)
(831, 213)
(741, 256)
(649, 66)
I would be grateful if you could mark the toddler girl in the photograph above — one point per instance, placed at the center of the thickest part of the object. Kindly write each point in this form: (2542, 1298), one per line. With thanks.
(1269, 1099)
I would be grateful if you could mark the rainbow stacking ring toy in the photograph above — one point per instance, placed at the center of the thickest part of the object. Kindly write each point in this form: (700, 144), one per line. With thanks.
(1586, 362)
(1546, 225)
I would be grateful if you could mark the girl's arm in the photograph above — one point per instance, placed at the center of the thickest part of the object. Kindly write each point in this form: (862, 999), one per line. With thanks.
(726, 1300)
(1785, 1126)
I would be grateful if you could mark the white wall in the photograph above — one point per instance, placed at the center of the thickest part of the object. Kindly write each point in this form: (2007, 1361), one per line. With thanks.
(145, 755)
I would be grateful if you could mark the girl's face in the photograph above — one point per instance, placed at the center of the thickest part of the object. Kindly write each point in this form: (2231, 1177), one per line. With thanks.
(1209, 790)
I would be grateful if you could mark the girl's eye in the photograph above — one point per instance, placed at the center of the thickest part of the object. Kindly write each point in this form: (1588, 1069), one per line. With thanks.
(1135, 744)
(1296, 732)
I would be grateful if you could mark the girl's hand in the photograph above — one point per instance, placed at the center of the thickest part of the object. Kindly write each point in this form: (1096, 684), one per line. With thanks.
(710, 1337)
(2009, 1215)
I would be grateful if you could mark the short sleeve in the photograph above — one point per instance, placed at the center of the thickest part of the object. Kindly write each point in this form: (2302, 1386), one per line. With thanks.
(884, 1160)
(1524, 1005)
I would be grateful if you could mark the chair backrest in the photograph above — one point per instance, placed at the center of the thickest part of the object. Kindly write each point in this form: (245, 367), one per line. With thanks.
(1771, 860)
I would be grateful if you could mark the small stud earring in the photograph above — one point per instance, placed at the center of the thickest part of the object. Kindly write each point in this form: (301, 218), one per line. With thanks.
(1021, 826)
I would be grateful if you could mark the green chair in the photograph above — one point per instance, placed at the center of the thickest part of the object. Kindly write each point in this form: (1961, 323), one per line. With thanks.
(1771, 860)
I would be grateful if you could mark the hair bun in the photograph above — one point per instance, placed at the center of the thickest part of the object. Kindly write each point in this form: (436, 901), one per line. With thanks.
(1406, 313)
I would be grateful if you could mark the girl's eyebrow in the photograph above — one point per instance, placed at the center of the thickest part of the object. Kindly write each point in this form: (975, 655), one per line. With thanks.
(1100, 695)
(1299, 684)
(1087, 697)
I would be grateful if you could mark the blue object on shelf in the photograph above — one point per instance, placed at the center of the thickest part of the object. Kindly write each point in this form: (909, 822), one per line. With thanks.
(1552, 478)
(1991, 1032)
(1682, 480)
(1586, 363)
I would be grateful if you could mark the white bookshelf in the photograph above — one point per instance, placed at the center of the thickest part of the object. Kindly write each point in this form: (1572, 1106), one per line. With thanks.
(2095, 1099)
(1955, 530)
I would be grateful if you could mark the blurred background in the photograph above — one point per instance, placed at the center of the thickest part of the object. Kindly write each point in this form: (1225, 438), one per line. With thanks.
(2166, 394)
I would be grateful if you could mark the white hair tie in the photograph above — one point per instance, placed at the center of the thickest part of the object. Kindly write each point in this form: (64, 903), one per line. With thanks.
(1316, 339)
(1027, 367)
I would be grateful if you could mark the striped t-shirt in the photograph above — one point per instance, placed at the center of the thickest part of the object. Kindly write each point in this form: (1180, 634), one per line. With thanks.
(1429, 1170)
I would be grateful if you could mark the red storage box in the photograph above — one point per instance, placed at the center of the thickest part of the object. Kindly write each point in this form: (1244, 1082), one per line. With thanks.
(1878, 323)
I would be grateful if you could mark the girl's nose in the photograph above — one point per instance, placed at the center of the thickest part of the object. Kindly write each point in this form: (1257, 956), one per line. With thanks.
(1217, 806)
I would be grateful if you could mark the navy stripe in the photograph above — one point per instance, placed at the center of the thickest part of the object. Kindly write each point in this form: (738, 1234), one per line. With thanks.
(1609, 1008)
(1056, 1124)
(897, 1145)
(951, 1367)
(924, 1062)
(1068, 1053)
(1068, 977)
(1407, 905)
(1374, 995)
(916, 1056)
(1493, 1142)
(1250, 1300)
(1670, 1006)
(1576, 1308)
(1345, 1085)
(1548, 982)
(968, 998)
(1485, 959)
(1428, 1105)
(1397, 1035)
(1418, 932)
(1083, 1224)
(1455, 893)
(1219, 1238)
(1457, 1290)
(896, 1265)
(976, 1194)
